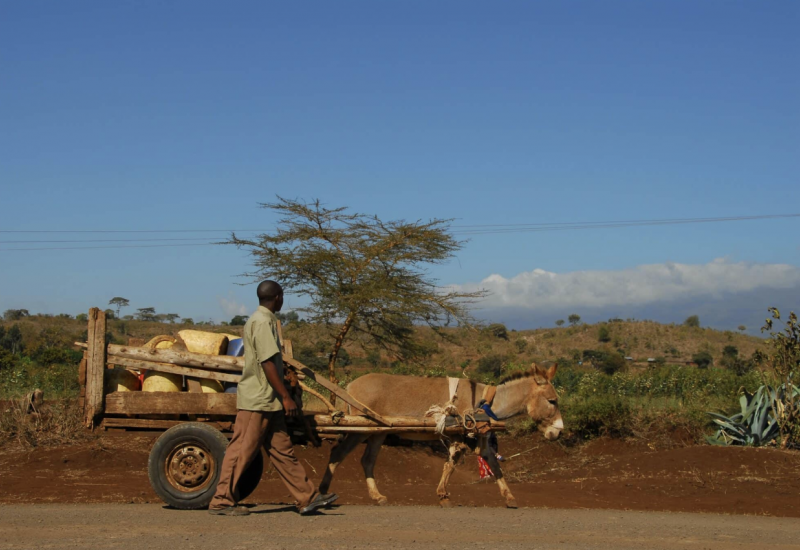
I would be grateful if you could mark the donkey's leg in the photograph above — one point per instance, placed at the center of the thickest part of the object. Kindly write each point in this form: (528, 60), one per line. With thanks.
(488, 455)
(342, 448)
(368, 463)
(455, 451)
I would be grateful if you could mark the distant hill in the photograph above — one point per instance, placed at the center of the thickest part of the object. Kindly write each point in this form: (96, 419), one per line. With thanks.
(460, 350)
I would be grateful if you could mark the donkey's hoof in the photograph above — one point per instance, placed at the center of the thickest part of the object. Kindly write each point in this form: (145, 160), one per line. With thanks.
(511, 503)
(445, 503)
(383, 501)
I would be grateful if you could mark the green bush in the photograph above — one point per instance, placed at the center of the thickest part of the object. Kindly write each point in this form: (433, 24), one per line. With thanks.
(49, 356)
(491, 365)
(498, 330)
(692, 321)
(603, 334)
(602, 415)
(703, 359)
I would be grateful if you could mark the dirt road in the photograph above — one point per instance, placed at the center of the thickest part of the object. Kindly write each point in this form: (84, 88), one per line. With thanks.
(605, 473)
(150, 526)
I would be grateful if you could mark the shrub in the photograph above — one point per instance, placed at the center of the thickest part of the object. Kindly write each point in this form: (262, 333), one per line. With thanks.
(612, 363)
(703, 359)
(490, 364)
(498, 330)
(574, 319)
(521, 344)
(374, 358)
(602, 415)
(692, 321)
(313, 361)
(239, 320)
(603, 334)
(11, 340)
(730, 351)
(559, 322)
(60, 356)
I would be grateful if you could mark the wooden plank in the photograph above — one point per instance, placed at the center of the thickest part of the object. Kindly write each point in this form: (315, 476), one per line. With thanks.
(171, 403)
(193, 385)
(149, 423)
(384, 429)
(174, 369)
(330, 386)
(95, 366)
(288, 351)
(82, 371)
(185, 358)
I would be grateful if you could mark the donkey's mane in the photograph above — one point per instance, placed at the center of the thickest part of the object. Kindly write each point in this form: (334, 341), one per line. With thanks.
(515, 376)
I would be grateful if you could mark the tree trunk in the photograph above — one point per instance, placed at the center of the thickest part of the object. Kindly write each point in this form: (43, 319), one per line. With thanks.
(336, 347)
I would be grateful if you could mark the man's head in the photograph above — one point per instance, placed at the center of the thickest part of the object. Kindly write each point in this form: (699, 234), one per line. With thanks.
(270, 295)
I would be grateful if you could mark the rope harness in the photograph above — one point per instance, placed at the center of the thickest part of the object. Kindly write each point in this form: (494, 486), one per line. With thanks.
(467, 421)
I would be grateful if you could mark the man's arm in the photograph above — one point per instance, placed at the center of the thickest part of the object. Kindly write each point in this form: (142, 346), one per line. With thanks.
(274, 379)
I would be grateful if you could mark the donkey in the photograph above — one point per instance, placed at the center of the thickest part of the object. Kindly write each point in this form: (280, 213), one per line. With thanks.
(528, 393)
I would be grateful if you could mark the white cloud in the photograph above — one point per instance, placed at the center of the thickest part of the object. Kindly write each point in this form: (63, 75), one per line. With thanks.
(637, 286)
(231, 307)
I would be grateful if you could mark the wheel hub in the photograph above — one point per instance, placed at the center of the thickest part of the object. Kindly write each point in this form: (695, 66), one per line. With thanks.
(189, 467)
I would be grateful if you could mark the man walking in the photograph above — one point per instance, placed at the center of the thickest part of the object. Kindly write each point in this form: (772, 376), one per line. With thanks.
(263, 402)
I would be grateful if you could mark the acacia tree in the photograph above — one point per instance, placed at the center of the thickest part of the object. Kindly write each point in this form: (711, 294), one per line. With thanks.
(360, 275)
(119, 303)
(146, 314)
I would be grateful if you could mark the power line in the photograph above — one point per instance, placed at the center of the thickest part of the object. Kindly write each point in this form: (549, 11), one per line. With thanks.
(107, 240)
(98, 247)
(458, 228)
(468, 230)
(531, 228)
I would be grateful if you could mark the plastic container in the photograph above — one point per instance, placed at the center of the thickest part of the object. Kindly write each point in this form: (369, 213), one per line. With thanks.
(162, 382)
(236, 347)
(119, 379)
(209, 343)
(210, 386)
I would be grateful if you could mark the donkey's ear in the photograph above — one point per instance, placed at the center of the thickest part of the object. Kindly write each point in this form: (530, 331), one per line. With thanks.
(551, 372)
(539, 374)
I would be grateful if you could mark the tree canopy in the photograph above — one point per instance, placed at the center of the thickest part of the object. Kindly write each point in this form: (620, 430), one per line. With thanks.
(360, 275)
(119, 302)
(146, 313)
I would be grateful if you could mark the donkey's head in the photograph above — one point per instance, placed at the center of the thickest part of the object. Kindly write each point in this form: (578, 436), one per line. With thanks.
(531, 393)
(543, 403)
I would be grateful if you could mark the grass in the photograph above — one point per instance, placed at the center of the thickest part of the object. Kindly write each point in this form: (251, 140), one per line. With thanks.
(59, 422)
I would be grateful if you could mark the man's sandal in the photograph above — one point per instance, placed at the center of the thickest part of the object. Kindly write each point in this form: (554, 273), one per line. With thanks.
(320, 501)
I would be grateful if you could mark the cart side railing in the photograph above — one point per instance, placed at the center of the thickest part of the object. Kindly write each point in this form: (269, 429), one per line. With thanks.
(139, 410)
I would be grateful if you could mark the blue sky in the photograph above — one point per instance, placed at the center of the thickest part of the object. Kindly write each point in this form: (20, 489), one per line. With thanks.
(185, 115)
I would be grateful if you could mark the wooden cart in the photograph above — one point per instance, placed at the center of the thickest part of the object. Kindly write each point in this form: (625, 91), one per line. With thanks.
(185, 461)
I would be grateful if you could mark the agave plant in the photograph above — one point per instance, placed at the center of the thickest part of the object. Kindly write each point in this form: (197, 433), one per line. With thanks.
(756, 425)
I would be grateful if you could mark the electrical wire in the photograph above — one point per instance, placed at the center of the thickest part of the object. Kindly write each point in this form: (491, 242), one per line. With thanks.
(468, 230)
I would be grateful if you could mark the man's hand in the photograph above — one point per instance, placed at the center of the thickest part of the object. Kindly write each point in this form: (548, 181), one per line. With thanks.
(290, 407)
(276, 381)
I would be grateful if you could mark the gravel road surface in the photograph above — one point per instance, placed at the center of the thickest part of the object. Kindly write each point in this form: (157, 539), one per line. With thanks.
(151, 526)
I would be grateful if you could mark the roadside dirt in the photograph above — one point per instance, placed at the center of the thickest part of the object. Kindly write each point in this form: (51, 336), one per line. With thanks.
(604, 474)
(152, 527)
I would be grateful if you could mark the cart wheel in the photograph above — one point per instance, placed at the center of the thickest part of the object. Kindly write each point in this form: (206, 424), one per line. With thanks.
(185, 462)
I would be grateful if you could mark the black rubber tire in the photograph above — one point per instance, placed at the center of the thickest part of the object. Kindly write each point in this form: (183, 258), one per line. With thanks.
(207, 443)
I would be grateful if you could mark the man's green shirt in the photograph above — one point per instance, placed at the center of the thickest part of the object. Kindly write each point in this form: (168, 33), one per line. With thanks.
(260, 343)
